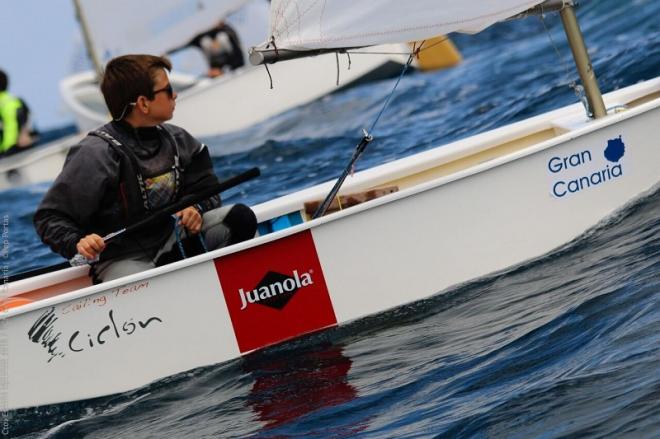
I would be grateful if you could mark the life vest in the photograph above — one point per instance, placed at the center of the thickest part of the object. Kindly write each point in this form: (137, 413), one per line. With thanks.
(14, 115)
(138, 193)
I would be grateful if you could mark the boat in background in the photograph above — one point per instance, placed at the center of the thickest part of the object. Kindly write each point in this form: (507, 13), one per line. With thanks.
(236, 100)
(402, 232)
(38, 164)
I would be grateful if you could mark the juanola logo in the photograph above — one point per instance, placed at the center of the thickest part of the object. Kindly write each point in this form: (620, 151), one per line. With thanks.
(275, 289)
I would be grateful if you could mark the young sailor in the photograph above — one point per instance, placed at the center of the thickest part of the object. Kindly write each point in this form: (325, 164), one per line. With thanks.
(221, 47)
(130, 167)
(14, 120)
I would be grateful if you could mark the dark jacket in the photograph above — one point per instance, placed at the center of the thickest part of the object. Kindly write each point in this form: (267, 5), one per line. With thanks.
(98, 190)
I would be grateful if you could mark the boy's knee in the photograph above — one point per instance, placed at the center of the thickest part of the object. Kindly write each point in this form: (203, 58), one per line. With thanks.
(217, 236)
(242, 223)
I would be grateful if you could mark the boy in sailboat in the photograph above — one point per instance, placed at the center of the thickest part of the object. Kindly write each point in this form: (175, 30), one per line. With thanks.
(15, 134)
(221, 47)
(130, 167)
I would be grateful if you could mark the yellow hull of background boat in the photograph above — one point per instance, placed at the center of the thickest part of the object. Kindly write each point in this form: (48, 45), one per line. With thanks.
(437, 53)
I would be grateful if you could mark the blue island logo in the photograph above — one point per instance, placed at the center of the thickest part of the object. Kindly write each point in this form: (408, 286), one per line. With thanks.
(615, 149)
(578, 172)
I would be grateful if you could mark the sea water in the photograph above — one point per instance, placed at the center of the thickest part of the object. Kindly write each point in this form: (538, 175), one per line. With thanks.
(564, 346)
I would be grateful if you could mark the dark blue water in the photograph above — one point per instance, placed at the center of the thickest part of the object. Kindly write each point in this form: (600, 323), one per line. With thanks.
(565, 346)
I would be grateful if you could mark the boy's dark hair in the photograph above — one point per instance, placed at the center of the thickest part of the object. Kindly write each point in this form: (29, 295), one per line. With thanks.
(4, 81)
(128, 77)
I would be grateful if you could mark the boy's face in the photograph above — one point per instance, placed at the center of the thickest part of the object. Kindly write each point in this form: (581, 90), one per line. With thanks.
(164, 101)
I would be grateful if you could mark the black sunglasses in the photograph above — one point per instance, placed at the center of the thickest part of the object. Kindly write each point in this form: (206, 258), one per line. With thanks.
(168, 89)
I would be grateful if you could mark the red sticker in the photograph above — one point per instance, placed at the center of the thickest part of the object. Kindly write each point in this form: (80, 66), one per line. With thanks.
(275, 291)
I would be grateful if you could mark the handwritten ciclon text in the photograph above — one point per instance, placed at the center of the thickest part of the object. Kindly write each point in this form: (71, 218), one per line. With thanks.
(113, 328)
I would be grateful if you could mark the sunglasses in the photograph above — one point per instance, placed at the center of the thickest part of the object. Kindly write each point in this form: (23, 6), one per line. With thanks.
(167, 89)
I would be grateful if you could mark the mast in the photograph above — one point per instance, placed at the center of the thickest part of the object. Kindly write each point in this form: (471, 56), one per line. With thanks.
(566, 9)
(88, 39)
(582, 61)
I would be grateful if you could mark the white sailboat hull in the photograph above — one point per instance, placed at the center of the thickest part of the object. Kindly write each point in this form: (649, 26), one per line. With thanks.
(242, 98)
(462, 211)
(35, 165)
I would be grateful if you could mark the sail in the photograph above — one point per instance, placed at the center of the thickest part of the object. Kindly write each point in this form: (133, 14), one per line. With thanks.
(119, 27)
(317, 24)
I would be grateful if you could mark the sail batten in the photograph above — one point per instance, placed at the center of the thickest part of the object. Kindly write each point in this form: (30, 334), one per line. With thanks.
(336, 24)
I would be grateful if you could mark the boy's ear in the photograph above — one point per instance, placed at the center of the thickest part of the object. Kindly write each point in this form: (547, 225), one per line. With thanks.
(143, 104)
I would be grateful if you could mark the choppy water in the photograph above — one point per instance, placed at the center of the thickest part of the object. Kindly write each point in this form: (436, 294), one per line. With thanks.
(565, 346)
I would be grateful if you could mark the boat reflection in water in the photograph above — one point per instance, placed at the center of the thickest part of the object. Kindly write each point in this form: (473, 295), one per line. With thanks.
(288, 388)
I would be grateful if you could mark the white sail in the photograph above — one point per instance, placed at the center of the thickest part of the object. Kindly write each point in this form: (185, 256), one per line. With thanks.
(316, 24)
(119, 27)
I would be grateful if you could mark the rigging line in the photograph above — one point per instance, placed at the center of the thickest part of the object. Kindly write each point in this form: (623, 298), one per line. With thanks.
(419, 49)
(368, 134)
(411, 57)
(359, 149)
(272, 41)
(177, 234)
(337, 60)
(389, 97)
(270, 77)
(577, 89)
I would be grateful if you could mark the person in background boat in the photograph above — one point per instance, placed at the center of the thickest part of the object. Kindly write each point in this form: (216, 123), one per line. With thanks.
(221, 47)
(129, 167)
(15, 133)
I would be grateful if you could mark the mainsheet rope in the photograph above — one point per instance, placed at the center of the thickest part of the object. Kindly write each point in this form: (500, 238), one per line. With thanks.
(178, 228)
